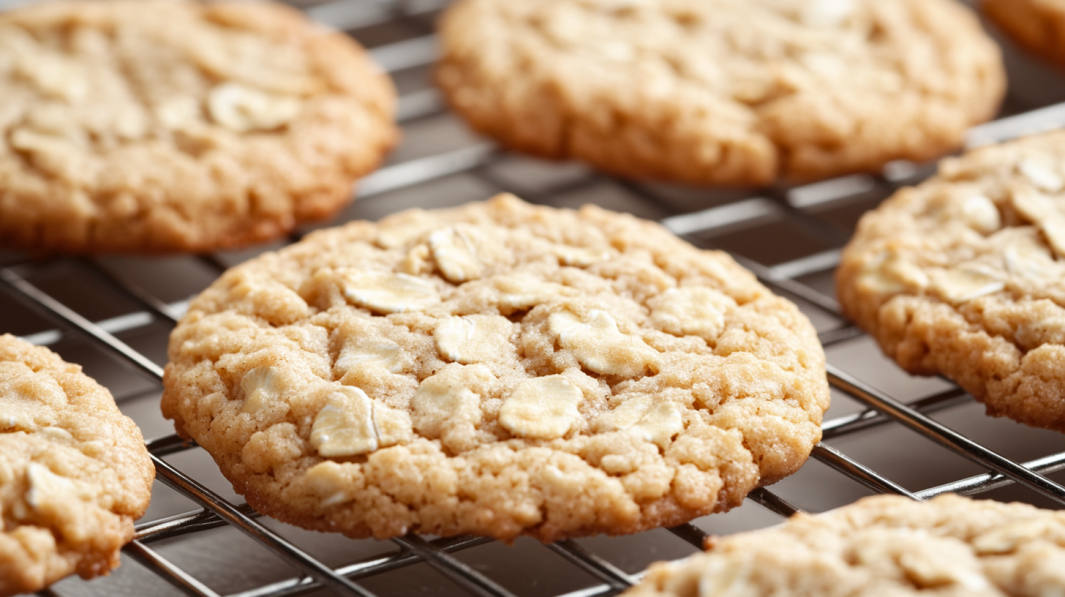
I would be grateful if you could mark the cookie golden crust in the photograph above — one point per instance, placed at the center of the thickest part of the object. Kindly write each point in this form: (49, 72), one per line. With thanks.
(74, 472)
(887, 545)
(963, 276)
(158, 126)
(499, 369)
(1038, 25)
(737, 92)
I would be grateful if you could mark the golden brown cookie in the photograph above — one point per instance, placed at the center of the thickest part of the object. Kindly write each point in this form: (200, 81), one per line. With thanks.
(881, 546)
(737, 92)
(499, 369)
(964, 276)
(1038, 25)
(74, 472)
(151, 126)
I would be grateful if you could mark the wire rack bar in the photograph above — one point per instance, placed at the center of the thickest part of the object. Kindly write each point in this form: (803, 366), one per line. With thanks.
(766, 275)
(848, 424)
(773, 502)
(184, 581)
(362, 569)
(41, 302)
(474, 582)
(139, 295)
(988, 481)
(406, 174)
(178, 525)
(857, 471)
(691, 534)
(943, 435)
(577, 555)
(234, 516)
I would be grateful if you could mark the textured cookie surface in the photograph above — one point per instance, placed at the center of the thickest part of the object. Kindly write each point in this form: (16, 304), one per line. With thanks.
(147, 126)
(721, 91)
(1038, 25)
(500, 369)
(74, 473)
(963, 276)
(950, 546)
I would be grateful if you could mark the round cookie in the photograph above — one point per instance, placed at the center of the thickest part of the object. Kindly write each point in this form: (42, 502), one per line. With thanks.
(499, 369)
(74, 472)
(963, 276)
(158, 126)
(1038, 25)
(886, 545)
(738, 92)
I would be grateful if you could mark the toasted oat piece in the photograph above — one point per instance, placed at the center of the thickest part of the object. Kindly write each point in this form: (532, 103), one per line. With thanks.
(155, 126)
(738, 92)
(499, 369)
(963, 276)
(886, 545)
(74, 472)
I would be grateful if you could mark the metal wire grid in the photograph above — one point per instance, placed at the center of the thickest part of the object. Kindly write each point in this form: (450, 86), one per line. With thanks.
(880, 408)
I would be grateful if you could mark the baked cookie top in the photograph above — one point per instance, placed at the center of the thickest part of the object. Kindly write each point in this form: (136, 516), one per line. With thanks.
(884, 545)
(500, 369)
(963, 276)
(152, 125)
(721, 91)
(1035, 24)
(74, 472)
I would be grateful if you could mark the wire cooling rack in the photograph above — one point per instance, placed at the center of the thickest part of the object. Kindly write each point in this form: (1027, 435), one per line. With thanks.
(889, 433)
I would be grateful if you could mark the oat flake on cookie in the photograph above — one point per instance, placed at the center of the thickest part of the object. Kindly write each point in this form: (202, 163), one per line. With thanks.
(964, 276)
(499, 369)
(147, 126)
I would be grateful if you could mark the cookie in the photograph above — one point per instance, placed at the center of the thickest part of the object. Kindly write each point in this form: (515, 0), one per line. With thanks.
(159, 126)
(721, 91)
(499, 369)
(74, 472)
(884, 545)
(963, 276)
(1038, 25)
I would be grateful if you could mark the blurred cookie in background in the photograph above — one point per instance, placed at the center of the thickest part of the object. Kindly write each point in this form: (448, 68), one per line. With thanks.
(1037, 25)
(154, 126)
(729, 92)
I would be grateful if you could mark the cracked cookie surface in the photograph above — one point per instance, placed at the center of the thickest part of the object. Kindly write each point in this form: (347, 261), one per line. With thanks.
(736, 92)
(885, 545)
(499, 369)
(157, 126)
(74, 472)
(1035, 24)
(964, 275)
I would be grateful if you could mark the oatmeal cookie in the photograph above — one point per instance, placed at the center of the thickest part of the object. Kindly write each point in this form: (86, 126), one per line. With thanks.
(499, 369)
(74, 473)
(964, 276)
(156, 126)
(1038, 25)
(886, 545)
(737, 92)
